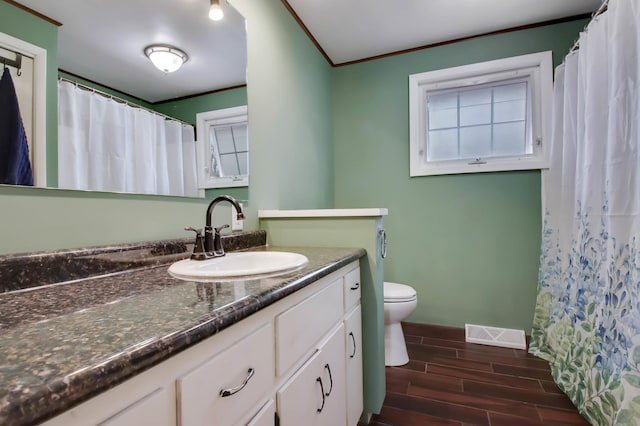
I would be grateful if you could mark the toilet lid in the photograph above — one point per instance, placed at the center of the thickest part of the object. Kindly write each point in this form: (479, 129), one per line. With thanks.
(395, 292)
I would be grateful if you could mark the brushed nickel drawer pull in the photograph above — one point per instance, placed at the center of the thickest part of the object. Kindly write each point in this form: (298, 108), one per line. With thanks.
(231, 391)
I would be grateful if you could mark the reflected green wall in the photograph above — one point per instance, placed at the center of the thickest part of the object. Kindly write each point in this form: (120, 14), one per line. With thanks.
(290, 132)
(108, 90)
(469, 244)
(20, 24)
(186, 109)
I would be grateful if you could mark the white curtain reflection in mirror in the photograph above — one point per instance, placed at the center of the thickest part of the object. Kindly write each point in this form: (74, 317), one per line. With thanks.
(106, 145)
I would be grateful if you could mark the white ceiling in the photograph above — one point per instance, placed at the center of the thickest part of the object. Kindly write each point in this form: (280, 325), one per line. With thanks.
(348, 30)
(104, 40)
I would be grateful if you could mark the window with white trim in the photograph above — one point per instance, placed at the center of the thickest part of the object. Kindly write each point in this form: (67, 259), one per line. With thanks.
(223, 148)
(489, 116)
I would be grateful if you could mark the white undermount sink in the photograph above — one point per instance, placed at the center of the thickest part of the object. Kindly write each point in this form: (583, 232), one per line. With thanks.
(238, 265)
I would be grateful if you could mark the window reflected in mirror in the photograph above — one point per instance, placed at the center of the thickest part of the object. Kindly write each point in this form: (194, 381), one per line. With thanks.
(223, 156)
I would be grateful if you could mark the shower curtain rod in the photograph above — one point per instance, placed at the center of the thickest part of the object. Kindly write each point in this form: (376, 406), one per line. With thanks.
(602, 9)
(121, 100)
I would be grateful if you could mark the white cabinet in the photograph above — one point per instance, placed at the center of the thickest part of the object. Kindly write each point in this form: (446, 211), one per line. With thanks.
(352, 289)
(327, 388)
(316, 393)
(153, 409)
(298, 360)
(299, 328)
(266, 415)
(353, 344)
(229, 385)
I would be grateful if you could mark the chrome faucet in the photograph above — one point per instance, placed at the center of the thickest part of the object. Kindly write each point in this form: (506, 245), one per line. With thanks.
(210, 245)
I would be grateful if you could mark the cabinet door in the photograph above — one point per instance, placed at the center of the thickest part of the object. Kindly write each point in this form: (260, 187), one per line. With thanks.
(352, 288)
(229, 385)
(315, 395)
(154, 409)
(353, 334)
(266, 415)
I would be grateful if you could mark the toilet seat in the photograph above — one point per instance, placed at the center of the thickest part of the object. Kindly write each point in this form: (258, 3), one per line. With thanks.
(398, 293)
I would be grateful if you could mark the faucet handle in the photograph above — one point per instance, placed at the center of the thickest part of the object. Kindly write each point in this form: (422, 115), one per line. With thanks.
(198, 247)
(220, 228)
(197, 231)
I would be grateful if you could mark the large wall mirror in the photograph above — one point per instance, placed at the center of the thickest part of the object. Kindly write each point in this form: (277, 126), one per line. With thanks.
(102, 52)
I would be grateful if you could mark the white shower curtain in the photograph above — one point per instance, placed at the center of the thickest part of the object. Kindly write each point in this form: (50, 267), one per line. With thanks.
(587, 319)
(104, 145)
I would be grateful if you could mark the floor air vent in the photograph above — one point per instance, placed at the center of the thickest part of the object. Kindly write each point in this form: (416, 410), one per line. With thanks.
(494, 336)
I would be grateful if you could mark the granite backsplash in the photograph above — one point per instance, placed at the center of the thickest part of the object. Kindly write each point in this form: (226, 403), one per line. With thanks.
(28, 270)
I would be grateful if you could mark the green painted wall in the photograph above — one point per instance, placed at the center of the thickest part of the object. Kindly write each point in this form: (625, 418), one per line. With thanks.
(20, 24)
(469, 244)
(290, 112)
(290, 137)
(323, 137)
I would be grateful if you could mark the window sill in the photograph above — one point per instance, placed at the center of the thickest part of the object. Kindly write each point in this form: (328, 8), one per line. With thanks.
(230, 182)
(458, 167)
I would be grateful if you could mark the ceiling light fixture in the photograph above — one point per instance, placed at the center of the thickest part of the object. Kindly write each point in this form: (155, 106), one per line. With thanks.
(166, 58)
(215, 11)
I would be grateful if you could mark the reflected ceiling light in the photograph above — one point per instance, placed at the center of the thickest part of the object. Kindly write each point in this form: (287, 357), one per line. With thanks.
(166, 58)
(215, 11)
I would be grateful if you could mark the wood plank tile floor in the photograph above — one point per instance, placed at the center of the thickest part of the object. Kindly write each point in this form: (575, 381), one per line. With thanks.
(451, 382)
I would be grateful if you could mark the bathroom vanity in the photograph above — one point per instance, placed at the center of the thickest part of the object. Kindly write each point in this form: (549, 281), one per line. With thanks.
(141, 347)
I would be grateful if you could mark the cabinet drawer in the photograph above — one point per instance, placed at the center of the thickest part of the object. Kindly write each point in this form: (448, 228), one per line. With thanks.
(301, 327)
(200, 398)
(153, 409)
(352, 286)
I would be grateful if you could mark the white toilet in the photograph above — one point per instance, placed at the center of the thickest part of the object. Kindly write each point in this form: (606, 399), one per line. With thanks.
(400, 300)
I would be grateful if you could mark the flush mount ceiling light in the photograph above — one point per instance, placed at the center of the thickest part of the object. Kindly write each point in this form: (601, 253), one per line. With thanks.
(166, 58)
(215, 11)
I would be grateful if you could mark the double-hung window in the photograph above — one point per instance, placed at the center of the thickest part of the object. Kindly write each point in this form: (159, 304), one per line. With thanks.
(483, 117)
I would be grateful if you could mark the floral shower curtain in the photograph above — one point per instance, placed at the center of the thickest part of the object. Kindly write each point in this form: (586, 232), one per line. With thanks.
(587, 318)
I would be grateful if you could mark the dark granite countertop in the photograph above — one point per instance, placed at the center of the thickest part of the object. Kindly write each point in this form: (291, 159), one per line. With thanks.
(65, 343)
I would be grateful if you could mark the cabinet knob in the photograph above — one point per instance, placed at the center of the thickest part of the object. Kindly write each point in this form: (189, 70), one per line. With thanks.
(355, 286)
(228, 392)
